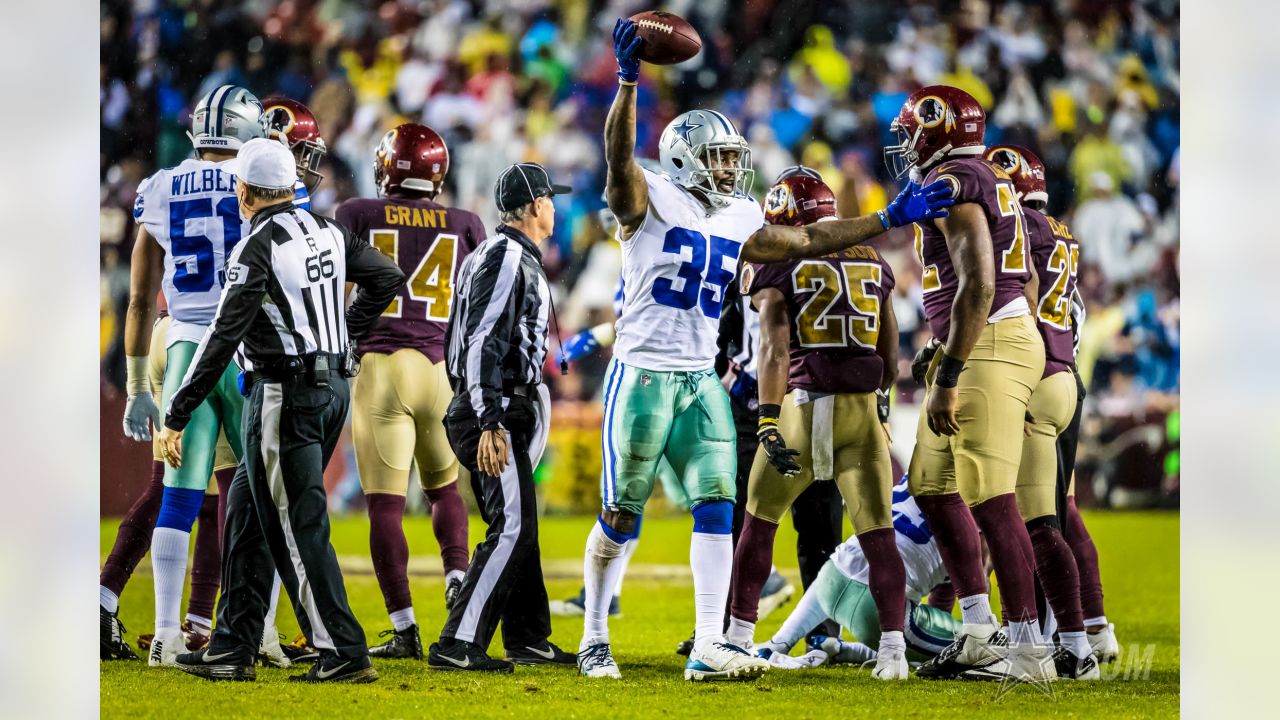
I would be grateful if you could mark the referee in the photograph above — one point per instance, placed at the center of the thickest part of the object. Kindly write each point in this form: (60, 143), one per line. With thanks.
(497, 425)
(283, 297)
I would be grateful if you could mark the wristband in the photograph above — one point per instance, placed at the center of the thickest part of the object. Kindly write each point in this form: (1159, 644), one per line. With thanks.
(884, 218)
(882, 405)
(137, 381)
(948, 371)
(768, 417)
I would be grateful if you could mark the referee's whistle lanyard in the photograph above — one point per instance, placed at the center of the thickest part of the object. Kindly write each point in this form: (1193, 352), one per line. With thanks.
(555, 321)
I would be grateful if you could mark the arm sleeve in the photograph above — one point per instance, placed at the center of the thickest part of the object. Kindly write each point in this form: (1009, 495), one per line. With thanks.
(378, 279)
(487, 327)
(248, 274)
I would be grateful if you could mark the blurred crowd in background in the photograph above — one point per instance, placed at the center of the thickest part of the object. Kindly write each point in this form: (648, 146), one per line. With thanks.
(1091, 86)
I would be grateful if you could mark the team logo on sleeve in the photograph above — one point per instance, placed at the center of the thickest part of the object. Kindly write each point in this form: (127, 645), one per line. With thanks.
(137, 207)
(744, 280)
(236, 274)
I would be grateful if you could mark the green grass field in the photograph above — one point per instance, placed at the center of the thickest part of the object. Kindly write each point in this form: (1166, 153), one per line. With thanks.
(1140, 578)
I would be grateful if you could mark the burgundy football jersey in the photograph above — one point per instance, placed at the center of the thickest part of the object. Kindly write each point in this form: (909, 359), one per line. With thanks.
(429, 242)
(1056, 256)
(834, 303)
(975, 181)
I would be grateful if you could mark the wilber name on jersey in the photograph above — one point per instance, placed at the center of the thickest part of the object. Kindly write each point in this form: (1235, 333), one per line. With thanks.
(675, 269)
(975, 180)
(429, 242)
(834, 303)
(1056, 257)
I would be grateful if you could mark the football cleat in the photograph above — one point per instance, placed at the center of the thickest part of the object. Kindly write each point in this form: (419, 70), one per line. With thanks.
(719, 660)
(111, 644)
(685, 647)
(837, 650)
(766, 650)
(404, 644)
(1070, 667)
(891, 664)
(333, 669)
(576, 606)
(164, 649)
(1104, 644)
(451, 589)
(548, 654)
(270, 652)
(300, 650)
(596, 661)
(194, 637)
(775, 593)
(465, 656)
(212, 665)
(809, 660)
(977, 646)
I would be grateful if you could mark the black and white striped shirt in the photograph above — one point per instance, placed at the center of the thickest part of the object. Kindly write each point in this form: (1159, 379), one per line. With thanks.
(284, 297)
(497, 333)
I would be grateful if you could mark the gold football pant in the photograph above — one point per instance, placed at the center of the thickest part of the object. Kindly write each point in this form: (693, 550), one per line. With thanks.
(1052, 406)
(397, 419)
(850, 447)
(157, 360)
(981, 461)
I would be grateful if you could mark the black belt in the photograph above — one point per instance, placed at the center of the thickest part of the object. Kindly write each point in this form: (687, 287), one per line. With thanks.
(314, 367)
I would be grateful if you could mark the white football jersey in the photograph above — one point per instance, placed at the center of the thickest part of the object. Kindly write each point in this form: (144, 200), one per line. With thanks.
(674, 272)
(192, 211)
(915, 542)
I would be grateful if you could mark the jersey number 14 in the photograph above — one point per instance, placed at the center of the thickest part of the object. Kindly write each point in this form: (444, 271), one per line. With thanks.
(431, 282)
(703, 275)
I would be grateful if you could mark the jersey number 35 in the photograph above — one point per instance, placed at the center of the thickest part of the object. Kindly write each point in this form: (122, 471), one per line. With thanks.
(704, 276)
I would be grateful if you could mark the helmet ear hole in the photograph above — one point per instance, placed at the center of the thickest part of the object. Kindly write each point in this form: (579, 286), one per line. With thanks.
(678, 163)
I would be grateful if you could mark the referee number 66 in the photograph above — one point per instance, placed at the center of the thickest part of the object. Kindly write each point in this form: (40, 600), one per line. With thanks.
(319, 266)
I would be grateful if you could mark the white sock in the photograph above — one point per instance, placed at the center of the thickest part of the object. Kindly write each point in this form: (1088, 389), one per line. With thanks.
(169, 567)
(1023, 633)
(269, 622)
(601, 570)
(628, 549)
(202, 624)
(892, 640)
(741, 632)
(1077, 643)
(402, 619)
(452, 575)
(805, 617)
(711, 557)
(108, 600)
(976, 610)
(1100, 621)
(858, 653)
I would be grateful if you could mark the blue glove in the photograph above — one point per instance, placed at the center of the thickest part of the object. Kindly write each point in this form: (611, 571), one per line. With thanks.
(914, 204)
(580, 346)
(626, 48)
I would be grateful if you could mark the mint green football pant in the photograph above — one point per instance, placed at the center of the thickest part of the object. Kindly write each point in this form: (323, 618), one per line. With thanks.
(682, 416)
(223, 408)
(928, 630)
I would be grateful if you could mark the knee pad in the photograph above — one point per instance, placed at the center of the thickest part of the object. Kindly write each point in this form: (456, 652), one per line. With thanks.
(179, 508)
(714, 518)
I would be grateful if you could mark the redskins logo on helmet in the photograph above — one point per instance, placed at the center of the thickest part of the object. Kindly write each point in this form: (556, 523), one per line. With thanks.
(935, 122)
(293, 124)
(778, 200)
(799, 200)
(1024, 168)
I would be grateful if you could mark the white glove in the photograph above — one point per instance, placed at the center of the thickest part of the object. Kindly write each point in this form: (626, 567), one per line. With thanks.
(140, 415)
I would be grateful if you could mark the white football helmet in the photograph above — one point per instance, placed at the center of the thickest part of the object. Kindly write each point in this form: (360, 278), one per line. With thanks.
(227, 118)
(693, 146)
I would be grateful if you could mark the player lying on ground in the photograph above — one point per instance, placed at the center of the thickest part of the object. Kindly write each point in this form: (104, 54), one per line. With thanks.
(843, 593)
(400, 397)
(828, 356)
(683, 233)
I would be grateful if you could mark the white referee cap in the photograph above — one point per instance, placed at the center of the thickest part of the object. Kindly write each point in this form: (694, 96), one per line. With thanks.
(264, 163)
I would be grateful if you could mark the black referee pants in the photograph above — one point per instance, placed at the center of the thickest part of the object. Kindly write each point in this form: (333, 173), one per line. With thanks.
(277, 519)
(504, 581)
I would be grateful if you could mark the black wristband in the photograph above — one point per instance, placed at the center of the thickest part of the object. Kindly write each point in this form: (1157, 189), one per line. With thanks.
(948, 371)
(769, 411)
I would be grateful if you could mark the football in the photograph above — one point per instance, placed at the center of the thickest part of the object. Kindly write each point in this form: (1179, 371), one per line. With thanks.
(668, 38)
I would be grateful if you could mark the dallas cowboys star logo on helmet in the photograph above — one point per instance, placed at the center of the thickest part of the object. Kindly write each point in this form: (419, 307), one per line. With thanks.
(686, 127)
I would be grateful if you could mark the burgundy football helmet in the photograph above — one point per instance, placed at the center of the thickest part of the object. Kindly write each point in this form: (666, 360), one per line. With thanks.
(1025, 169)
(293, 123)
(411, 157)
(935, 122)
(799, 199)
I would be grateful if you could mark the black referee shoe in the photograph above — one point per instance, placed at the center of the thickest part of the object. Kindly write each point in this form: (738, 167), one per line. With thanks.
(547, 654)
(404, 644)
(465, 656)
(212, 664)
(332, 669)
